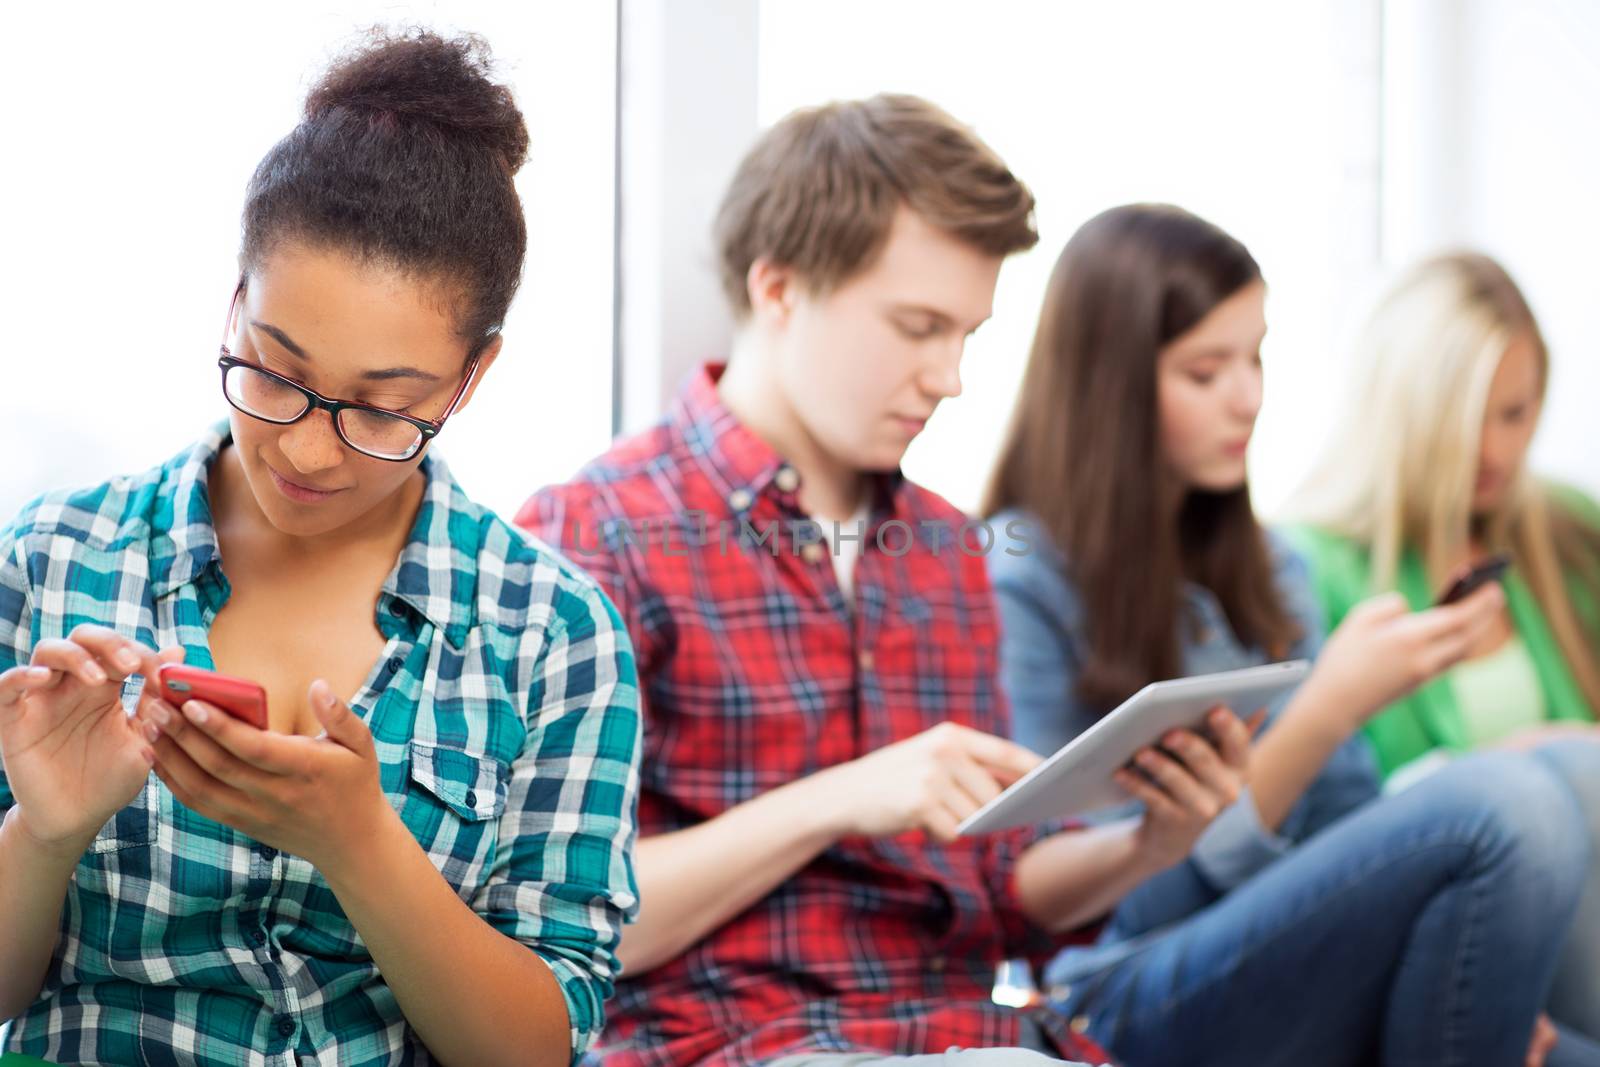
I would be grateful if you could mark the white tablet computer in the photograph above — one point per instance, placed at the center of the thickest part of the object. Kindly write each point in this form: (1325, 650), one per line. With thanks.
(1078, 777)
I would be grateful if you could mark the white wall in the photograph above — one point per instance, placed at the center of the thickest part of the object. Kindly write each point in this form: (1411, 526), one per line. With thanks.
(688, 113)
(1531, 194)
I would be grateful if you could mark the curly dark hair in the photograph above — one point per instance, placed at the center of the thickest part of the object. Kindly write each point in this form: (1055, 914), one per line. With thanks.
(404, 157)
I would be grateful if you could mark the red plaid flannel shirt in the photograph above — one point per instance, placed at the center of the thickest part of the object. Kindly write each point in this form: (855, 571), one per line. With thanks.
(753, 673)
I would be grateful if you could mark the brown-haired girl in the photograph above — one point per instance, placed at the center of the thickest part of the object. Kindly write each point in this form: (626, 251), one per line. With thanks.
(1308, 926)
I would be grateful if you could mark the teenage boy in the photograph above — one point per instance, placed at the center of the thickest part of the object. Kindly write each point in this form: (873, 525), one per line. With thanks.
(817, 655)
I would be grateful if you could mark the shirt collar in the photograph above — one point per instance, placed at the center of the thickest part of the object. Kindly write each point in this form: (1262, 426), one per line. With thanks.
(428, 577)
(183, 538)
(742, 466)
(437, 573)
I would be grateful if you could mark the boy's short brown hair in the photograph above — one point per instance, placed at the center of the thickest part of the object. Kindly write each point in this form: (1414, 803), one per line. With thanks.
(819, 191)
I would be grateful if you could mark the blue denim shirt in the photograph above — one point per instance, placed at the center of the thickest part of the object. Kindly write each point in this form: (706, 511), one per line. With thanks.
(1042, 648)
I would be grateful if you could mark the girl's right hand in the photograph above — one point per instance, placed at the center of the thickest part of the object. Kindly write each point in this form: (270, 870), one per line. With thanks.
(1383, 650)
(73, 756)
(930, 781)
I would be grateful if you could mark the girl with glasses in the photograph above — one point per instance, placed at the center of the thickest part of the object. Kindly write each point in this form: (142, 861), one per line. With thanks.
(426, 853)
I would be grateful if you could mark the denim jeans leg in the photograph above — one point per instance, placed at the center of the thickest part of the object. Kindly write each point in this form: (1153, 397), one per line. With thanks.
(1575, 998)
(1420, 929)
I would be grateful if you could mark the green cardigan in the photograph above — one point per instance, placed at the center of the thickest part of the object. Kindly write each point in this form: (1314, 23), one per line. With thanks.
(1430, 718)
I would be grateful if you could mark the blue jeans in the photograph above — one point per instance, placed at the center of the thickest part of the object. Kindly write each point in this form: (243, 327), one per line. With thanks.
(1420, 929)
(1575, 1000)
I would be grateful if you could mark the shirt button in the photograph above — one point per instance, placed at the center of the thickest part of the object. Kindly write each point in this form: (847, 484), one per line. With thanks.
(395, 663)
(741, 499)
(472, 798)
(258, 938)
(866, 660)
(267, 852)
(285, 1026)
(397, 609)
(787, 479)
(936, 965)
(812, 552)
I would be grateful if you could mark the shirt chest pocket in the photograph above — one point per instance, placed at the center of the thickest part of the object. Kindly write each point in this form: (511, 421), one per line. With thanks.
(452, 805)
(132, 827)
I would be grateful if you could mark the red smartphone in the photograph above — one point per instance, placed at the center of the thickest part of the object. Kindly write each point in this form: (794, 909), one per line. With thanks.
(1478, 575)
(244, 700)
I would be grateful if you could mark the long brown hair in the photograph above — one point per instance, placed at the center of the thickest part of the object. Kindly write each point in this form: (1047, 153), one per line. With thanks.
(1083, 450)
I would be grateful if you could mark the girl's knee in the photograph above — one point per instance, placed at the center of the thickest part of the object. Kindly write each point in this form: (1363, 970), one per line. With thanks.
(1519, 806)
(1576, 762)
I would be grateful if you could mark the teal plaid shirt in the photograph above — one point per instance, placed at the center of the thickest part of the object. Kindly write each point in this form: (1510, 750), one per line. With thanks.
(505, 712)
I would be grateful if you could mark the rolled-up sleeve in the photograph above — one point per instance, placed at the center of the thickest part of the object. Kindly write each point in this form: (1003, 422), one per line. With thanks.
(1020, 935)
(563, 881)
(1236, 845)
(16, 626)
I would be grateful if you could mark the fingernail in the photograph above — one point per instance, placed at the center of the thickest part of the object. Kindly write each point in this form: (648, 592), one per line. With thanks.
(1172, 740)
(326, 696)
(94, 674)
(151, 733)
(195, 711)
(126, 659)
(37, 673)
(159, 712)
(1147, 759)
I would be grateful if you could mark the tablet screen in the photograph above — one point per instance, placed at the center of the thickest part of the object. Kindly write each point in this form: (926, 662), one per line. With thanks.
(1078, 778)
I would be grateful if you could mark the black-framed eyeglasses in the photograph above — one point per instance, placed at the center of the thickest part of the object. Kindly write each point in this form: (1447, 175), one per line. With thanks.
(365, 428)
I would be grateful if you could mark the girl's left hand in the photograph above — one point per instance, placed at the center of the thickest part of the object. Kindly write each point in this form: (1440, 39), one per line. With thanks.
(1186, 786)
(313, 797)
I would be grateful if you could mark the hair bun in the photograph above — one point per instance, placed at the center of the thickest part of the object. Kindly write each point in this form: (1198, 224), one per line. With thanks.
(415, 78)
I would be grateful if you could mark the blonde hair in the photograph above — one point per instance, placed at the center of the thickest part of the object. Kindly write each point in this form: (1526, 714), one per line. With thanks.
(1402, 473)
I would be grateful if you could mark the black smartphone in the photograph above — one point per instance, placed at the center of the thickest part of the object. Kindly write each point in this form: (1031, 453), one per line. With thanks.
(1478, 575)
